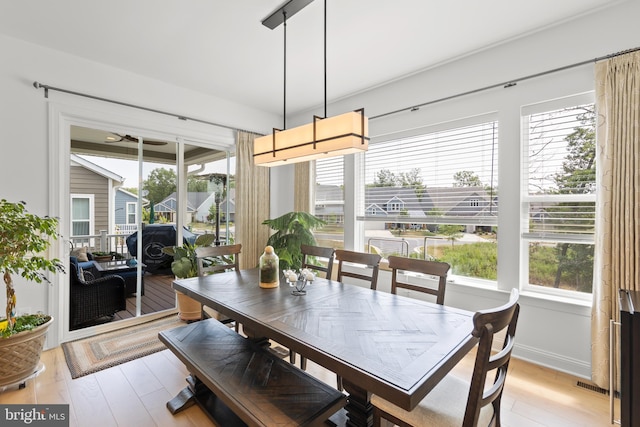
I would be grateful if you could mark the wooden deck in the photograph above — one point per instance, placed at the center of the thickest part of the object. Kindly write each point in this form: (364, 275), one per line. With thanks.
(158, 296)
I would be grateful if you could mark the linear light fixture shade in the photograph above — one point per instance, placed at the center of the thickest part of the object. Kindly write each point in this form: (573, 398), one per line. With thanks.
(326, 137)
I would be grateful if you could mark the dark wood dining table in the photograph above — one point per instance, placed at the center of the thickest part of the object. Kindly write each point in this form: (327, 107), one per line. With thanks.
(396, 347)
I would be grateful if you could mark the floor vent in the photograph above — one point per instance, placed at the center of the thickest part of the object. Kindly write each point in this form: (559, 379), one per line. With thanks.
(595, 388)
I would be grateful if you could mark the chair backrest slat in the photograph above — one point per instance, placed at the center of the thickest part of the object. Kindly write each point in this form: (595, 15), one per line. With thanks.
(220, 258)
(432, 268)
(370, 260)
(309, 253)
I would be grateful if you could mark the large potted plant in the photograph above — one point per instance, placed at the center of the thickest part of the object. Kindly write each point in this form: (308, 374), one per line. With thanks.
(292, 230)
(24, 240)
(185, 265)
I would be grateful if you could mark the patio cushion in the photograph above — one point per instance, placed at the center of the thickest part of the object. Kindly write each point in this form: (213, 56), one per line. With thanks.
(80, 253)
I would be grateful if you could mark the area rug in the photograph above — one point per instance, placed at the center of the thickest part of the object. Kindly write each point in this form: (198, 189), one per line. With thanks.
(88, 355)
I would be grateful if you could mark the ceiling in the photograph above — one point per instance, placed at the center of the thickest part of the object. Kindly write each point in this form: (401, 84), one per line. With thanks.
(221, 48)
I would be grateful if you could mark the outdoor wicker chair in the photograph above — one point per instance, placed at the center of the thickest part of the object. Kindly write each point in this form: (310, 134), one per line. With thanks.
(94, 301)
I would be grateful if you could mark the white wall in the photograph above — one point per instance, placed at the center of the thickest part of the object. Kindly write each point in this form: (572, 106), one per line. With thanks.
(551, 332)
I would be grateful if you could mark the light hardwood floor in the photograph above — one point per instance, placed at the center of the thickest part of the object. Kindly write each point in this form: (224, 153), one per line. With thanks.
(135, 394)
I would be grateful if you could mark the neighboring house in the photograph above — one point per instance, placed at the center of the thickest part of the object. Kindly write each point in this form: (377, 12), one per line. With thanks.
(198, 206)
(329, 204)
(231, 195)
(92, 188)
(126, 211)
(375, 210)
(394, 202)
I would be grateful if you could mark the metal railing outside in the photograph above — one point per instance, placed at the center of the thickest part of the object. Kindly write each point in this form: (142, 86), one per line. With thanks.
(402, 243)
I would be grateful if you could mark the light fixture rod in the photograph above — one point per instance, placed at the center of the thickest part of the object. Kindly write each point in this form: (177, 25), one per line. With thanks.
(284, 102)
(291, 7)
(325, 58)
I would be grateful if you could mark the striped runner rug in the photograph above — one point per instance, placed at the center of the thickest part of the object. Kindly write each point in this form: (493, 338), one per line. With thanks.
(88, 355)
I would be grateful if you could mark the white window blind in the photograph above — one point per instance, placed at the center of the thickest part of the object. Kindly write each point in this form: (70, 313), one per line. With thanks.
(447, 176)
(560, 175)
(329, 203)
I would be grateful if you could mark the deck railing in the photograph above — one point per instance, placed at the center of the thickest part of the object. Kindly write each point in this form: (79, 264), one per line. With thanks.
(104, 242)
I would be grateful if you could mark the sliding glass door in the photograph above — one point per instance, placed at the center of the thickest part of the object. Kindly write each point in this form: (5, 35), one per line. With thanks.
(126, 204)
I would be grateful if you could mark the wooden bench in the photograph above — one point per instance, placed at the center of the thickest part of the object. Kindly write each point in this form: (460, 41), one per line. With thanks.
(237, 382)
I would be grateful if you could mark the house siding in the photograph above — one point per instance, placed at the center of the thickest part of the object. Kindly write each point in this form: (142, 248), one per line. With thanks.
(84, 181)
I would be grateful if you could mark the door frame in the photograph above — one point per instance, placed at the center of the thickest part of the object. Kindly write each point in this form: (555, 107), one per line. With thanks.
(113, 118)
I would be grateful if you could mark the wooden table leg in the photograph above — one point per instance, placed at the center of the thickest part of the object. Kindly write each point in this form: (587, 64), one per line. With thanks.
(359, 408)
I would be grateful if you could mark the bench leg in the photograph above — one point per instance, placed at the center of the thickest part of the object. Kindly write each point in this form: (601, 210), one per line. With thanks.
(183, 400)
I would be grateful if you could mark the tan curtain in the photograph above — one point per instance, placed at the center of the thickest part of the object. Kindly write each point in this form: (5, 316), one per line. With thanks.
(617, 259)
(252, 202)
(304, 186)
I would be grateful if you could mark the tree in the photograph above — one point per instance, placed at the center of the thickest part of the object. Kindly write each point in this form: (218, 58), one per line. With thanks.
(578, 175)
(385, 178)
(160, 184)
(466, 179)
(453, 232)
(579, 166)
(212, 212)
(196, 185)
(413, 178)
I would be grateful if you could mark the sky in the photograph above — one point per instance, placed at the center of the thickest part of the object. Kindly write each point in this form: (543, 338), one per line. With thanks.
(128, 169)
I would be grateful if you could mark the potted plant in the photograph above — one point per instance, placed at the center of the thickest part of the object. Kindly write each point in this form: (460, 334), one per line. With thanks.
(292, 230)
(102, 256)
(185, 265)
(24, 237)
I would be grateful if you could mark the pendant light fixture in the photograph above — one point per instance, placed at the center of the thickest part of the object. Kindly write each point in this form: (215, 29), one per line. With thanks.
(326, 136)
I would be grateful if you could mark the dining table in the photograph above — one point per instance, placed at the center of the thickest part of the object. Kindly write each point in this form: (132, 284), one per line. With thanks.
(393, 346)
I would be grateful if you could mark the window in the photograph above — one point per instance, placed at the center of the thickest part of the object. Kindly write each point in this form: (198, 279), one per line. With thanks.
(560, 194)
(329, 201)
(131, 213)
(81, 214)
(434, 195)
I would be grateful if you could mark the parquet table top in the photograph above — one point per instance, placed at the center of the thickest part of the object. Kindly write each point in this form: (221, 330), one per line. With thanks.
(396, 347)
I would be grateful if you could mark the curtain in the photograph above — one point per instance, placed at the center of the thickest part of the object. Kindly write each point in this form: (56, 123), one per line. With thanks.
(304, 186)
(252, 202)
(617, 259)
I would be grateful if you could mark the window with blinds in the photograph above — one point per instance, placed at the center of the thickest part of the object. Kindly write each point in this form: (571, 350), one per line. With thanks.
(444, 177)
(329, 201)
(559, 172)
(434, 195)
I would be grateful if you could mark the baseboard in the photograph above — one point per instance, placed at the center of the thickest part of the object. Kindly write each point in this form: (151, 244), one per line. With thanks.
(575, 367)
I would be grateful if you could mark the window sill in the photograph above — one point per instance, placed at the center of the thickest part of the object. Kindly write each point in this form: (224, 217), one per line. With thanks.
(540, 299)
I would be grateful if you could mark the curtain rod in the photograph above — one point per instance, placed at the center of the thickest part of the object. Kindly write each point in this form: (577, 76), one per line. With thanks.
(506, 84)
(47, 88)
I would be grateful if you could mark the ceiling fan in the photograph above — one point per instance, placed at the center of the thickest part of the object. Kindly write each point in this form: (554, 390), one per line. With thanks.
(129, 138)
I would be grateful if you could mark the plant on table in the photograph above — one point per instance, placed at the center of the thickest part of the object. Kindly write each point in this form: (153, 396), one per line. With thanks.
(24, 238)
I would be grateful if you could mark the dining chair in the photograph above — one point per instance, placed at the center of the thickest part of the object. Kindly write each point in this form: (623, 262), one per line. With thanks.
(214, 259)
(431, 268)
(445, 404)
(309, 255)
(372, 261)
